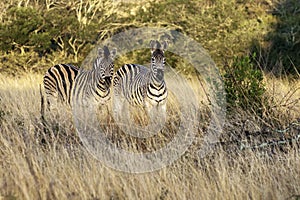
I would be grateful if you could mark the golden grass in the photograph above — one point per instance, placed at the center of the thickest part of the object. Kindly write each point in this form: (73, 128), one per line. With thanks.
(63, 169)
(284, 93)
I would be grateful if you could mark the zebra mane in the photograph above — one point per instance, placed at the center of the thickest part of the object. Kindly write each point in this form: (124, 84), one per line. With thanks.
(106, 53)
(158, 45)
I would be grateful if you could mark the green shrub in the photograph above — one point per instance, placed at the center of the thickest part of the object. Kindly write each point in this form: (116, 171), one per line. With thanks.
(281, 55)
(244, 85)
(26, 30)
(226, 29)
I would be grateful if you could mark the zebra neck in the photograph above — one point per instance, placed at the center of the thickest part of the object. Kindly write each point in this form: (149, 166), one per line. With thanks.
(98, 82)
(156, 80)
(157, 76)
(156, 91)
(96, 76)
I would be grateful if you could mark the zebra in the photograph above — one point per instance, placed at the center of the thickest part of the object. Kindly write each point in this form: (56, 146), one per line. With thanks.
(58, 83)
(94, 85)
(142, 86)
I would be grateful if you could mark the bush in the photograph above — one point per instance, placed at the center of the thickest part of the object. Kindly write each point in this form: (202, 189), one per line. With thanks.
(21, 31)
(226, 29)
(31, 35)
(281, 53)
(244, 85)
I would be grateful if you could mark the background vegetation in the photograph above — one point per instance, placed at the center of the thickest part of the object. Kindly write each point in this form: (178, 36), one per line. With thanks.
(36, 34)
(255, 44)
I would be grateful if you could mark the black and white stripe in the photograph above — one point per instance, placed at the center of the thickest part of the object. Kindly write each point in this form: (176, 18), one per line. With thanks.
(141, 85)
(95, 84)
(58, 83)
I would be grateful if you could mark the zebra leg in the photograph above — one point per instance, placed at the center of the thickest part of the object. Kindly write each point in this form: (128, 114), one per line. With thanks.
(157, 115)
(51, 101)
(122, 114)
(43, 118)
(118, 109)
(103, 113)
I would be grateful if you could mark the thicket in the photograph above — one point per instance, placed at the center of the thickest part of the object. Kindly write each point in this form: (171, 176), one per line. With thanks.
(34, 35)
(244, 85)
(37, 34)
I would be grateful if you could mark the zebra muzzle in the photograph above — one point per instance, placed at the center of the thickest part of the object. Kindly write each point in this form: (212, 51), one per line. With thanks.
(160, 74)
(107, 80)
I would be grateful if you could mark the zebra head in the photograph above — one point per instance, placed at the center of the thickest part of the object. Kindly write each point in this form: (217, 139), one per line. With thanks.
(158, 59)
(104, 65)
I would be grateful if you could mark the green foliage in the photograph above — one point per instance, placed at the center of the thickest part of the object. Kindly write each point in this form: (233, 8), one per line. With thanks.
(32, 36)
(23, 30)
(227, 29)
(244, 85)
(282, 54)
(30, 29)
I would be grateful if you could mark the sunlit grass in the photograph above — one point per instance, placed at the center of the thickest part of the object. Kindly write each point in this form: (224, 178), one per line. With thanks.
(63, 169)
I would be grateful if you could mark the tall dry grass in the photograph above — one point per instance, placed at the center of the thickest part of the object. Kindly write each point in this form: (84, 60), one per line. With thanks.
(58, 168)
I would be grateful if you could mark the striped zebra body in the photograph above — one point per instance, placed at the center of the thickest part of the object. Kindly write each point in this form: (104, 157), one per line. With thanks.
(94, 85)
(135, 83)
(58, 83)
(90, 86)
(144, 86)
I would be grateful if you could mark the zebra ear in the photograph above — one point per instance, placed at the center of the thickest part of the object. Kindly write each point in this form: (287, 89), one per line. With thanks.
(113, 53)
(153, 45)
(100, 52)
(164, 45)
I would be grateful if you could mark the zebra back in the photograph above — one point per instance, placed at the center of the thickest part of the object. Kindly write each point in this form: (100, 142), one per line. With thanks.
(58, 83)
